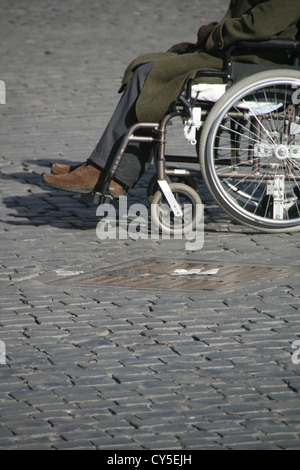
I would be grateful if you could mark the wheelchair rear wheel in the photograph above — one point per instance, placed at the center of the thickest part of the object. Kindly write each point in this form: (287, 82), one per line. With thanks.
(250, 151)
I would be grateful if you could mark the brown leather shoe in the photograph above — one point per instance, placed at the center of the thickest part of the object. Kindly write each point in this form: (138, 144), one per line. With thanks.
(61, 169)
(84, 179)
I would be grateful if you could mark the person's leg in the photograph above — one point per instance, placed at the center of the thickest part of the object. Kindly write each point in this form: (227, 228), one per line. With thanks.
(122, 119)
(134, 161)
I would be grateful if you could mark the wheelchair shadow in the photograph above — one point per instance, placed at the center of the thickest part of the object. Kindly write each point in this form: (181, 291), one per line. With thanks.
(67, 210)
(48, 207)
(60, 209)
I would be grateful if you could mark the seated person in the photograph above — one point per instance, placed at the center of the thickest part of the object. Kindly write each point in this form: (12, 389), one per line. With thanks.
(153, 82)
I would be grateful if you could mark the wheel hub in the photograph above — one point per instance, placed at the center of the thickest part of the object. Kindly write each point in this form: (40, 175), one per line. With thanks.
(282, 152)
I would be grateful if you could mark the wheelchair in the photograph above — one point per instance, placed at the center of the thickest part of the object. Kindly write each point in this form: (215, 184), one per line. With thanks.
(246, 131)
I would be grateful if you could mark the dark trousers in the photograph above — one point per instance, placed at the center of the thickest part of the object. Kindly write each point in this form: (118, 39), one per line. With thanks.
(138, 155)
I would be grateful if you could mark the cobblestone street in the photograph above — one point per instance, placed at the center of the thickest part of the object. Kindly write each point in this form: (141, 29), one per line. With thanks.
(111, 367)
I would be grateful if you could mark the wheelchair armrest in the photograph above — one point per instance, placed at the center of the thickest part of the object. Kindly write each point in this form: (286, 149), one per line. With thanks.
(279, 44)
(286, 45)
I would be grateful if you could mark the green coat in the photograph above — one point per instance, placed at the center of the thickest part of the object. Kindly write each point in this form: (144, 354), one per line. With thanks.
(245, 20)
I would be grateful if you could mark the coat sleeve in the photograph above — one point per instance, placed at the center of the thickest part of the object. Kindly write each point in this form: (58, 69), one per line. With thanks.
(264, 21)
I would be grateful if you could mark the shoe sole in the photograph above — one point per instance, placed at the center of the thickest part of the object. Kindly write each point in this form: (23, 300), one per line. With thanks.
(66, 188)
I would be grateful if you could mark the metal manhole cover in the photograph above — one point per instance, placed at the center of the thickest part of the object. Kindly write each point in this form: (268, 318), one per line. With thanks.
(165, 274)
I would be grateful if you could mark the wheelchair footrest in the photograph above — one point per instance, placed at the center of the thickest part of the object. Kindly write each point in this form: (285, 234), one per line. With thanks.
(97, 198)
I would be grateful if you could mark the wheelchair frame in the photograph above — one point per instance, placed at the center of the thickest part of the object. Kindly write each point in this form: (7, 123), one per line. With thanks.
(232, 72)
